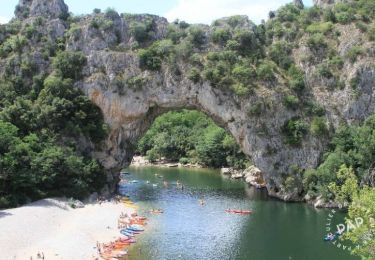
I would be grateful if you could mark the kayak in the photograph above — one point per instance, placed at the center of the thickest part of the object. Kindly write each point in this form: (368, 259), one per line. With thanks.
(119, 254)
(137, 222)
(131, 206)
(126, 233)
(134, 181)
(331, 238)
(136, 228)
(156, 211)
(127, 240)
(235, 211)
(132, 231)
(328, 238)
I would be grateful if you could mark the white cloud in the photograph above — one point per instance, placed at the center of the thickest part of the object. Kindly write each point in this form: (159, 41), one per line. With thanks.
(4, 20)
(206, 11)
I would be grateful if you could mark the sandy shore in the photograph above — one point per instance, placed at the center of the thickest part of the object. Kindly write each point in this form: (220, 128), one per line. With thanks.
(60, 232)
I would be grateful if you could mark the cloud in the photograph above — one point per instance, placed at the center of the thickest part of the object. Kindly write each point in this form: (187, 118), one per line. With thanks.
(4, 20)
(198, 11)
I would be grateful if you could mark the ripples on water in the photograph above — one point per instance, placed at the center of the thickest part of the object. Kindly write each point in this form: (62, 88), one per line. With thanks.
(187, 230)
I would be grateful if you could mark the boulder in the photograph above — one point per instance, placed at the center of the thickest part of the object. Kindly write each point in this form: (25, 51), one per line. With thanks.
(237, 175)
(76, 204)
(254, 177)
(226, 171)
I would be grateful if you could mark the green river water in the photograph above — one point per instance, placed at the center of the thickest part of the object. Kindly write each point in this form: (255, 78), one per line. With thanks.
(187, 230)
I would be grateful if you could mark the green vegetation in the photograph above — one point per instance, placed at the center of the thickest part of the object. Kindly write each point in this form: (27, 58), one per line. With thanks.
(294, 130)
(291, 102)
(42, 112)
(318, 126)
(363, 207)
(353, 53)
(40, 116)
(191, 137)
(350, 161)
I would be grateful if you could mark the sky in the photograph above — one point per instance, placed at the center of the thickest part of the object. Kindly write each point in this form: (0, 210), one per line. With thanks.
(191, 11)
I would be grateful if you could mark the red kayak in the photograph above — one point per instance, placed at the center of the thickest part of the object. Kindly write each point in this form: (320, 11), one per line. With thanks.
(236, 211)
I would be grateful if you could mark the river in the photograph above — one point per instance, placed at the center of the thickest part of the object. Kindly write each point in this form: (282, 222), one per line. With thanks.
(188, 230)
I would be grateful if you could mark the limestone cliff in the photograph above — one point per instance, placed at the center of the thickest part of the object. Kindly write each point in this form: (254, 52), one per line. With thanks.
(131, 97)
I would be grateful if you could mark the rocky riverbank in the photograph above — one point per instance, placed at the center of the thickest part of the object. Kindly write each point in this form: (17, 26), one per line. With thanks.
(139, 161)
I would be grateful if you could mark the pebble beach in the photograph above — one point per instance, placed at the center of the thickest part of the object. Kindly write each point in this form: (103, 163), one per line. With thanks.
(52, 228)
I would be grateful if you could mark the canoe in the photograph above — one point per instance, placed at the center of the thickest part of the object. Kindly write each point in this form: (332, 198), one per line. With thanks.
(327, 238)
(131, 206)
(128, 239)
(137, 222)
(135, 228)
(236, 211)
(156, 211)
(132, 231)
(126, 233)
(119, 253)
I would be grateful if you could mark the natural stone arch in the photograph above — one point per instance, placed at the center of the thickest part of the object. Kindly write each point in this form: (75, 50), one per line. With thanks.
(130, 114)
(130, 111)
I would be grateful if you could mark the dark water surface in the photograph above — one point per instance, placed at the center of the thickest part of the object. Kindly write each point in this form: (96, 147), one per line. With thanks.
(187, 230)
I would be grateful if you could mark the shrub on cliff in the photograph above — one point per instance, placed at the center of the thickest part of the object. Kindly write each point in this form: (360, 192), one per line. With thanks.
(318, 126)
(221, 36)
(294, 130)
(69, 64)
(197, 35)
(148, 59)
(291, 102)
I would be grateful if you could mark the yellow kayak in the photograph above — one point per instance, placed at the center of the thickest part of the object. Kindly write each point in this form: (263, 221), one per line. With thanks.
(131, 206)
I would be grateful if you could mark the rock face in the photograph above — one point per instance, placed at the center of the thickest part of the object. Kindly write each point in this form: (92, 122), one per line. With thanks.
(299, 3)
(51, 9)
(326, 3)
(130, 109)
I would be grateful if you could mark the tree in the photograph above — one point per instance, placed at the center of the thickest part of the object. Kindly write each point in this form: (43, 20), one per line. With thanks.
(363, 207)
(346, 185)
(69, 64)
